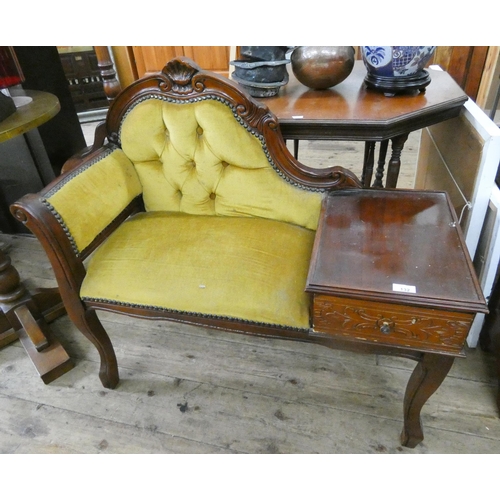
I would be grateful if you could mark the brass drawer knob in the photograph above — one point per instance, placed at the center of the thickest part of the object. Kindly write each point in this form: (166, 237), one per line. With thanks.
(386, 326)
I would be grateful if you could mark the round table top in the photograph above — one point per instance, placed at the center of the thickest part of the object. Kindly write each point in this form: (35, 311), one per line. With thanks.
(42, 108)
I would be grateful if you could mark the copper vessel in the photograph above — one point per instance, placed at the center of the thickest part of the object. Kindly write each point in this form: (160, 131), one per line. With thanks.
(322, 67)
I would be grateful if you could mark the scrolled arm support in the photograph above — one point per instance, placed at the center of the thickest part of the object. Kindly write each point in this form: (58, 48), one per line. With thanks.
(68, 267)
(20, 215)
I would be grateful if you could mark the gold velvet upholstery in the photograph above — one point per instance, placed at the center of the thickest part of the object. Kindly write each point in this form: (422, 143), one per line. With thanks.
(224, 235)
(196, 158)
(104, 187)
(248, 268)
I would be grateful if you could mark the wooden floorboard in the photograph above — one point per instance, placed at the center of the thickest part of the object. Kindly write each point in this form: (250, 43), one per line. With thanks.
(191, 390)
(259, 405)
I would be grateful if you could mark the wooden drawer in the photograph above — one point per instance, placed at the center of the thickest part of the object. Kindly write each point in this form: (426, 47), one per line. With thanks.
(399, 325)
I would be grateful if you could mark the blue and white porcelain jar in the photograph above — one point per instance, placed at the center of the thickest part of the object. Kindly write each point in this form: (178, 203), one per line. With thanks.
(397, 66)
(396, 60)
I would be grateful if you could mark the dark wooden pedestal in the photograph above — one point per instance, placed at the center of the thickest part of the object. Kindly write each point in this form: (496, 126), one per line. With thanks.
(390, 274)
(24, 316)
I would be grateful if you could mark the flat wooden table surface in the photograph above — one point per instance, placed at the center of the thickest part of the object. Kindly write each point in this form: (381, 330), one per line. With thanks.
(42, 108)
(350, 111)
(370, 240)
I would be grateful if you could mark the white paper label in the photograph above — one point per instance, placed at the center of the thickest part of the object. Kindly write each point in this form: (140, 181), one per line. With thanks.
(404, 288)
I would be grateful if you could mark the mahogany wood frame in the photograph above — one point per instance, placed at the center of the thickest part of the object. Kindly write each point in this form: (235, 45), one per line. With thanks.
(182, 80)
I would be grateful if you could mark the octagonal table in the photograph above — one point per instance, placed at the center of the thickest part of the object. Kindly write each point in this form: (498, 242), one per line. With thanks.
(350, 111)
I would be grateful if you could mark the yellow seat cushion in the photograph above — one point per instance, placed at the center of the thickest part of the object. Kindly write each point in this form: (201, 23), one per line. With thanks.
(246, 268)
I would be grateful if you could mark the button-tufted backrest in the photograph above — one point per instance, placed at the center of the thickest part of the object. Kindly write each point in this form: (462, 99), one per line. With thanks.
(195, 156)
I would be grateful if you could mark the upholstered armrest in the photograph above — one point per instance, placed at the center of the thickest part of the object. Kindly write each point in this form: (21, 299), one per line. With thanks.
(86, 200)
(74, 213)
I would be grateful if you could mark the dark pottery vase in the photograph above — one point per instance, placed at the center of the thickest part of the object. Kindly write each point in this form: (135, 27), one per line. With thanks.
(322, 67)
(261, 70)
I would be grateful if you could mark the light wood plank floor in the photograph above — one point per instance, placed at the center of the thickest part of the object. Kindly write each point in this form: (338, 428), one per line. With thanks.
(186, 390)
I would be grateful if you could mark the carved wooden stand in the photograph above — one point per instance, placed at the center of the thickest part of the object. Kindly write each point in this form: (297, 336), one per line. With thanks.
(25, 316)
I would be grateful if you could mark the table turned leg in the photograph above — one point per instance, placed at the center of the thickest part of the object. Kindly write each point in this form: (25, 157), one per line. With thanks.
(428, 375)
(395, 162)
(368, 162)
(379, 175)
(22, 316)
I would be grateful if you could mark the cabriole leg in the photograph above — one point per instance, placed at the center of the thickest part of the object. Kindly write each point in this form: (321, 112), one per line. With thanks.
(88, 323)
(428, 375)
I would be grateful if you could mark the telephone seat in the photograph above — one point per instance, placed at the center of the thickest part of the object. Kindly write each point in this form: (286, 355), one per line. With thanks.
(189, 207)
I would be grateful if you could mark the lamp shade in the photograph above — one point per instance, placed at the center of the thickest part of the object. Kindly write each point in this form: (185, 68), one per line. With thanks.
(10, 71)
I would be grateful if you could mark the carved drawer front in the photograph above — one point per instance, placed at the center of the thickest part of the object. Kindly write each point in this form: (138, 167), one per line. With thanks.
(404, 326)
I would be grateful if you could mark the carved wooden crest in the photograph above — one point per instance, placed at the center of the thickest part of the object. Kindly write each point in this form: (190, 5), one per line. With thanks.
(180, 72)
